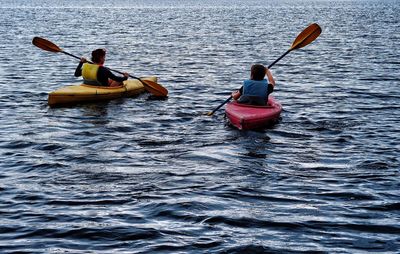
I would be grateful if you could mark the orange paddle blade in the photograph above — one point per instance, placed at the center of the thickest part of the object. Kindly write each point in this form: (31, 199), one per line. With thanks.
(307, 36)
(154, 88)
(46, 45)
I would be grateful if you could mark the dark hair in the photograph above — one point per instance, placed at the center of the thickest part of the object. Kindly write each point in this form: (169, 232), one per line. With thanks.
(98, 54)
(258, 71)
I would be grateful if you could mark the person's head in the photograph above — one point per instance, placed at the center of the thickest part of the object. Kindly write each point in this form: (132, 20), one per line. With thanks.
(257, 72)
(99, 56)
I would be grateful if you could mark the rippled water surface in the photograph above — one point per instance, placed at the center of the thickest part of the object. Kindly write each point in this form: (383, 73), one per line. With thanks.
(136, 175)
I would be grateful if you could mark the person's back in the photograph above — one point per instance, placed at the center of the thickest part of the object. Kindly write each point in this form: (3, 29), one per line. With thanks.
(255, 90)
(90, 74)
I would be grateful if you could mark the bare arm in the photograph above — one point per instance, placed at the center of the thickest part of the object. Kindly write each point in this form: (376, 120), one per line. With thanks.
(271, 79)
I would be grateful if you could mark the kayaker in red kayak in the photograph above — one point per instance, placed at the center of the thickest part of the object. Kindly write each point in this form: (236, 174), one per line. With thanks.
(255, 90)
(95, 73)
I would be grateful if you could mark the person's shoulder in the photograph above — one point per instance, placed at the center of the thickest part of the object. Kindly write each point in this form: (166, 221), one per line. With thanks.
(103, 69)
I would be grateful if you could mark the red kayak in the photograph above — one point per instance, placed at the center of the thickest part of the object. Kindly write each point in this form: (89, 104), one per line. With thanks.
(251, 117)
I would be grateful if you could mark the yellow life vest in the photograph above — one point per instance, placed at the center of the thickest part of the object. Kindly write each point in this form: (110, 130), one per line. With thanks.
(89, 71)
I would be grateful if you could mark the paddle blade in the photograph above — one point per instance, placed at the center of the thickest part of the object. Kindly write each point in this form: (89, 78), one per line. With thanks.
(154, 88)
(46, 45)
(307, 36)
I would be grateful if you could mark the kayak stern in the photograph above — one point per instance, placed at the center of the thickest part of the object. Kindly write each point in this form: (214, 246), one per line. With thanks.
(250, 117)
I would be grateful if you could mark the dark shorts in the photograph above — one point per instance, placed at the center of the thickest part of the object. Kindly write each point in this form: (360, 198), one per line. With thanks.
(252, 100)
(92, 82)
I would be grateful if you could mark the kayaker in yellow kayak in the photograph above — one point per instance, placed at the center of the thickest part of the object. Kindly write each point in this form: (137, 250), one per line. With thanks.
(255, 90)
(95, 73)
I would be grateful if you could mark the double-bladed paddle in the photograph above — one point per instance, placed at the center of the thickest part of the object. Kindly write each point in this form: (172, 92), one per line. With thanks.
(307, 36)
(152, 87)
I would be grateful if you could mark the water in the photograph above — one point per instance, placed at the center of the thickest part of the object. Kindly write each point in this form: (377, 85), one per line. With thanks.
(147, 176)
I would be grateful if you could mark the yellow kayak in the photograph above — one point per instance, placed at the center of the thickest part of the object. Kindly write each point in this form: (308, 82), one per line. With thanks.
(87, 93)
